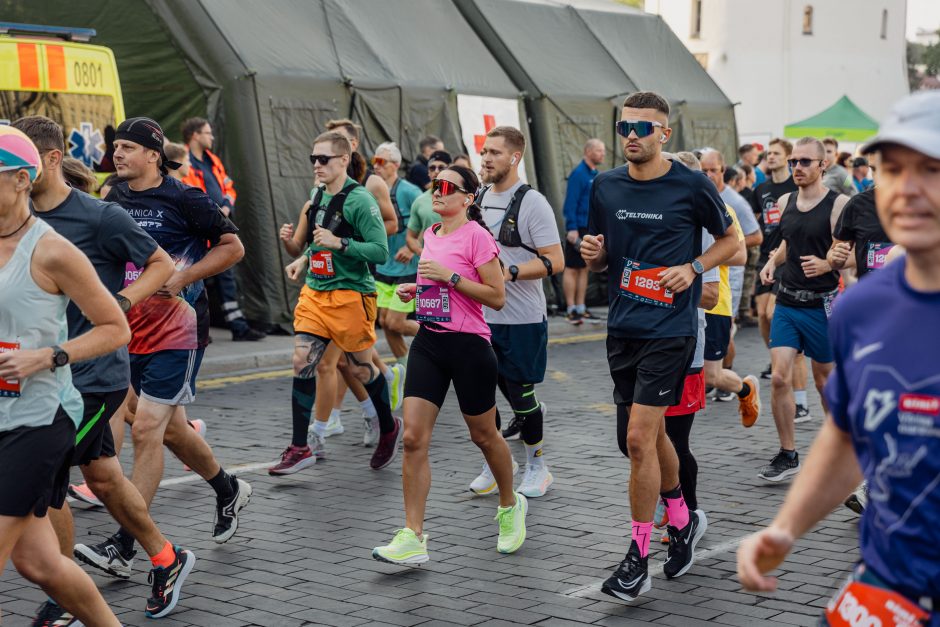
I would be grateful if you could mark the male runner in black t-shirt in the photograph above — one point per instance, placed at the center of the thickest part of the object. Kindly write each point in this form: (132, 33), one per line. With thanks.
(807, 286)
(645, 226)
(858, 229)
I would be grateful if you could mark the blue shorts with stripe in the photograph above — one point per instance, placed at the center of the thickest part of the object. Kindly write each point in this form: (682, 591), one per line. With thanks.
(166, 377)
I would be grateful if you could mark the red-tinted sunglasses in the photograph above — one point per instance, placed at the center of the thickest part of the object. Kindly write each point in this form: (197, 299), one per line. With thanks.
(446, 188)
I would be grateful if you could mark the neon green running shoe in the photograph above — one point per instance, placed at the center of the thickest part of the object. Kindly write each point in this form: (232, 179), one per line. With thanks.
(511, 525)
(396, 386)
(405, 548)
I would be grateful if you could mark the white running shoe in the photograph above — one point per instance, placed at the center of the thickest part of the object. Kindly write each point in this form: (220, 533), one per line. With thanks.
(485, 483)
(370, 435)
(536, 481)
(334, 426)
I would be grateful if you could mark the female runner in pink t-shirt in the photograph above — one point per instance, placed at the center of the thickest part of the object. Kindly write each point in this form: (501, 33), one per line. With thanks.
(459, 272)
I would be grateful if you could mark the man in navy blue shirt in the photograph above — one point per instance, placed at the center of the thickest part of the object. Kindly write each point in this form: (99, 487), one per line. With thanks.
(577, 200)
(645, 228)
(884, 396)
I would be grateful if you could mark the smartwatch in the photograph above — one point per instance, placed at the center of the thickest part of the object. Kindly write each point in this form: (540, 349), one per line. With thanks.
(697, 267)
(59, 358)
(454, 280)
(513, 273)
(123, 301)
(344, 244)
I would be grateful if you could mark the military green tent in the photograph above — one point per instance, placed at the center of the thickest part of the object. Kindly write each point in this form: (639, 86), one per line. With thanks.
(576, 65)
(843, 120)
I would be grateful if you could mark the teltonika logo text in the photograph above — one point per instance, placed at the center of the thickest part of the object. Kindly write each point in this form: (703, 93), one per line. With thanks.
(623, 214)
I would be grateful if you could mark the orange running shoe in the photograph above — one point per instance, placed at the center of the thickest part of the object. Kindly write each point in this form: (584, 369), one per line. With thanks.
(749, 406)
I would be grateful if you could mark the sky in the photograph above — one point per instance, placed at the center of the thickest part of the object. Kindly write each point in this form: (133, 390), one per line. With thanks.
(922, 14)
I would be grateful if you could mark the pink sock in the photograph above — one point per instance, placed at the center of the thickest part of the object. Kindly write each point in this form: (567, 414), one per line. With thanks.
(677, 511)
(641, 535)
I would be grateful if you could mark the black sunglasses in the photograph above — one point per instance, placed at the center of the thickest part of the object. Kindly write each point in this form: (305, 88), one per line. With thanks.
(803, 163)
(322, 159)
(642, 128)
(437, 168)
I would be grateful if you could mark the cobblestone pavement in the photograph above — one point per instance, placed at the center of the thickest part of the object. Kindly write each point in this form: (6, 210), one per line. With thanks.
(302, 552)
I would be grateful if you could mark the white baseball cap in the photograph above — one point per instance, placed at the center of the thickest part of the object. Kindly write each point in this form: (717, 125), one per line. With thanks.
(914, 122)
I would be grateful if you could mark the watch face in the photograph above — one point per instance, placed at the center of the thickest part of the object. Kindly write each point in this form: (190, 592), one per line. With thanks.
(61, 358)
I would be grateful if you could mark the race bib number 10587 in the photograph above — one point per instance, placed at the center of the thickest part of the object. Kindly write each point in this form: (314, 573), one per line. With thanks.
(640, 281)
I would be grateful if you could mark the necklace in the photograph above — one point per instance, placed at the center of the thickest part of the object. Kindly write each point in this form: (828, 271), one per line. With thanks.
(18, 229)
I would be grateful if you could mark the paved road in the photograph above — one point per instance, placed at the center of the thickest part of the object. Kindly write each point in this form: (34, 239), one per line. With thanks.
(302, 553)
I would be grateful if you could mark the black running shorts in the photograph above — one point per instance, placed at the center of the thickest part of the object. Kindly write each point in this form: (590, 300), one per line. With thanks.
(436, 359)
(34, 467)
(649, 372)
(717, 336)
(94, 439)
(573, 257)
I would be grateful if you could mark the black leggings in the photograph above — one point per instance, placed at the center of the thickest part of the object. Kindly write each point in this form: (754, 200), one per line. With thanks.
(525, 406)
(678, 428)
(436, 359)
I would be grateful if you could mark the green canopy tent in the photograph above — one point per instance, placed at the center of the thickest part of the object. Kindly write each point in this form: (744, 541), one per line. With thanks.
(843, 120)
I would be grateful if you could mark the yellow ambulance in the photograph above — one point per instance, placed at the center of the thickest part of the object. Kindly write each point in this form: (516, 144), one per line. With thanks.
(54, 71)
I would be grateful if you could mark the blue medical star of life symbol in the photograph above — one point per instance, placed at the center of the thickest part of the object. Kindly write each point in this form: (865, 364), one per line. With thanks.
(86, 144)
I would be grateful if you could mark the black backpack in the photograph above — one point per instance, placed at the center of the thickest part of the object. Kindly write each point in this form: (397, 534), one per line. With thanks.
(509, 230)
(330, 217)
(402, 224)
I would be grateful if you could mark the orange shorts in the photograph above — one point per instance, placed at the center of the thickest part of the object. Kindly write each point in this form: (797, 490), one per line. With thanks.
(345, 316)
(693, 396)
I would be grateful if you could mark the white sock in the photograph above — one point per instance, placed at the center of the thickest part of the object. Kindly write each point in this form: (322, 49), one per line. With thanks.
(534, 454)
(319, 428)
(580, 308)
(800, 397)
(368, 409)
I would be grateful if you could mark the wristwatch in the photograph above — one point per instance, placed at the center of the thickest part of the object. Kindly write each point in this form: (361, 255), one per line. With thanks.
(513, 273)
(124, 302)
(344, 244)
(697, 266)
(59, 358)
(454, 280)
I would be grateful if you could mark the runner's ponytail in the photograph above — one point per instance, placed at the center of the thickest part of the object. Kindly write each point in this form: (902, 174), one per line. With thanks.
(472, 184)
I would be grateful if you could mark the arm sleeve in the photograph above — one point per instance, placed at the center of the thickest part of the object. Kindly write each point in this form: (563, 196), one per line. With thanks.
(837, 389)
(122, 239)
(572, 194)
(204, 216)
(363, 213)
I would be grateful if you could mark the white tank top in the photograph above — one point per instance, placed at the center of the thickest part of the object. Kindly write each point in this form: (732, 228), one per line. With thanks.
(32, 318)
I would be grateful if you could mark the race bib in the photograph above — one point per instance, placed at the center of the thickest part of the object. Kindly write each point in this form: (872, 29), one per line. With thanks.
(640, 282)
(433, 304)
(861, 605)
(321, 265)
(9, 389)
(131, 273)
(772, 215)
(878, 254)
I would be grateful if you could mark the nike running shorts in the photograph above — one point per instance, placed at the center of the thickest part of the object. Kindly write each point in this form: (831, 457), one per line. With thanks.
(649, 372)
(94, 438)
(717, 336)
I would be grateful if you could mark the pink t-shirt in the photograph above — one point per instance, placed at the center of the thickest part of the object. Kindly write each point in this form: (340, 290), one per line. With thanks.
(462, 251)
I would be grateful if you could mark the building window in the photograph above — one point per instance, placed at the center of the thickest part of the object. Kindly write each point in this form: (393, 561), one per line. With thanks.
(808, 20)
(696, 28)
(884, 23)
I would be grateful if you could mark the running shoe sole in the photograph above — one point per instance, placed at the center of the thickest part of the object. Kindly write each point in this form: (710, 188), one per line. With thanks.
(93, 559)
(398, 438)
(244, 497)
(177, 587)
(799, 421)
(306, 463)
(76, 493)
(411, 560)
(786, 474)
(699, 532)
(623, 596)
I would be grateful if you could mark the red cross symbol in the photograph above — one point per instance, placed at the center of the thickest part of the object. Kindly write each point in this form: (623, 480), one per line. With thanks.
(489, 122)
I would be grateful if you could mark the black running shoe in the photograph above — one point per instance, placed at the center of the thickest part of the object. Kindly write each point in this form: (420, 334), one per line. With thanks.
(802, 414)
(514, 429)
(681, 552)
(107, 556)
(167, 583)
(51, 615)
(781, 467)
(226, 511)
(766, 373)
(631, 579)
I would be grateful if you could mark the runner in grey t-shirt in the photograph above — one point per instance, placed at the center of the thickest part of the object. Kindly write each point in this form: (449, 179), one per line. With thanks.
(520, 328)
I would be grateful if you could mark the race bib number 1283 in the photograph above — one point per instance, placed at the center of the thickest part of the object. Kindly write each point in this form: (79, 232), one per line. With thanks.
(640, 281)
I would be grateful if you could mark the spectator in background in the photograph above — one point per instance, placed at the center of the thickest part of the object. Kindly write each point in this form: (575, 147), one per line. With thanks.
(750, 154)
(78, 175)
(577, 202)
(860, 172)
(837, 178)
(463, 160)
(208, 174)
(180, 154)
(845, 159)
(750, 180)
(418, 173)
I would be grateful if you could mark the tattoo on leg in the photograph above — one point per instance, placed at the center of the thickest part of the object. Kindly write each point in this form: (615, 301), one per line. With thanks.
(314, 348)
(372, 371)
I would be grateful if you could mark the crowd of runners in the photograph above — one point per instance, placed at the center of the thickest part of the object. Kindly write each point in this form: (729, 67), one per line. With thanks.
(104, 322)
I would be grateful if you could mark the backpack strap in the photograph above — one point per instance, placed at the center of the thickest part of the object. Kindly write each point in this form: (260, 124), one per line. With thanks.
(402, 224)
(331, 216)
(509, 229)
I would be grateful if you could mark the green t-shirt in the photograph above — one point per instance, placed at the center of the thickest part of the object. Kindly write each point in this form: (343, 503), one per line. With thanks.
(333, 270)
(422, 215)
(405, 195)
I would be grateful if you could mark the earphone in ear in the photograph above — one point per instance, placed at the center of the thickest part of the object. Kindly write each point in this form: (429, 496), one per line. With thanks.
(467, 201)
(662, 138)
(512, 161)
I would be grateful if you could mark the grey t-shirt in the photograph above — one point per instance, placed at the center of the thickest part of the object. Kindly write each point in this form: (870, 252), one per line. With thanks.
(110, 238)
(839, 180)
(710, 276)
(748, 222)
(525, 300)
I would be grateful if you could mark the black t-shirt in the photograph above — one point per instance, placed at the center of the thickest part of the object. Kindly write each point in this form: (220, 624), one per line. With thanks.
(184, 221)
(859, 224)
(418, 173)
(806, 233)
(110, 239)
(653, 224)
(764, 204)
